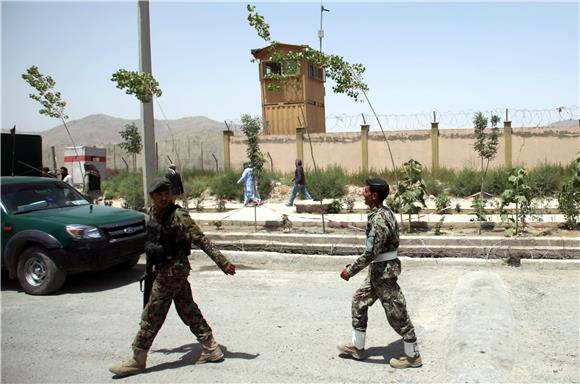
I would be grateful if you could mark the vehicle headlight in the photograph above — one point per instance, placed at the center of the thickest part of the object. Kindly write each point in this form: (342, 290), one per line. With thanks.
(81, 231)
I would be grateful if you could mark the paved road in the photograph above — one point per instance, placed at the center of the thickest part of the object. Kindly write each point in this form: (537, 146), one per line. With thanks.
(279, 321)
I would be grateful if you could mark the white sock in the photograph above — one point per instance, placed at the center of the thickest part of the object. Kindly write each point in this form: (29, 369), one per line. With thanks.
(411, 349)
(358, 339)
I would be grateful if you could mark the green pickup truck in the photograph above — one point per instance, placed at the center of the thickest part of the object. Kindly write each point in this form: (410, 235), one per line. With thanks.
(50, 230)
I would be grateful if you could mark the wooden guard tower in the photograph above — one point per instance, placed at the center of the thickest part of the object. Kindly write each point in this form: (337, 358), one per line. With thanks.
(300, 101)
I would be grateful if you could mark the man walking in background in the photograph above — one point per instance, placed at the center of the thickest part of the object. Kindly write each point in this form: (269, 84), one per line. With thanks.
(299, 184)
(65, 176)
(175, 178)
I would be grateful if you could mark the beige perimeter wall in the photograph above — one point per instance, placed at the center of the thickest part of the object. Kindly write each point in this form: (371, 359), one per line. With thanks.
(530, 147)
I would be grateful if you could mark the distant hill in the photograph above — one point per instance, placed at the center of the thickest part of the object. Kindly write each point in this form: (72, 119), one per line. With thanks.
(104, 129)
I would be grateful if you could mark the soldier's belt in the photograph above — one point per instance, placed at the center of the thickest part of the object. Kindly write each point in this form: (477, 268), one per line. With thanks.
(385, 256)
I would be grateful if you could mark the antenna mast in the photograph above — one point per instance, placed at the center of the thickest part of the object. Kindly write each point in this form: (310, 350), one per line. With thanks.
(321, 31)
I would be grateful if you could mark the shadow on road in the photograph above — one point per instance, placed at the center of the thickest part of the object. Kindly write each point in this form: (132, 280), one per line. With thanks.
(87, 281)
(189, 353)
(380, 355)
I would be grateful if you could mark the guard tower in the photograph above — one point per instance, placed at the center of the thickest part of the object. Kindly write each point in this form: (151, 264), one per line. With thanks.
(299, 102)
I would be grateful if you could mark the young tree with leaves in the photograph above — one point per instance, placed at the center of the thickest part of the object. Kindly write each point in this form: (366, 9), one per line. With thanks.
(251, 127)
(486, 145)
(131, 142)
(52, 103)
(411, 189)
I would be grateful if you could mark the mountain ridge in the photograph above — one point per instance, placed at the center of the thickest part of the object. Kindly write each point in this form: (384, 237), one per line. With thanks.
(104, 129)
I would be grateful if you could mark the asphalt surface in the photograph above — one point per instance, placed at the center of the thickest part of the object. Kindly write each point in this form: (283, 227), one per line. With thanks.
(280, 318)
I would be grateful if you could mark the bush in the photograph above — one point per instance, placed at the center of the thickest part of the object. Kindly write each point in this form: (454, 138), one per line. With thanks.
(545, 179)
(266, 184)
(466, 183)
(329, 183)
(224, 186)
(131, 190)
(436, 181)
(496, 180)
(441, 202)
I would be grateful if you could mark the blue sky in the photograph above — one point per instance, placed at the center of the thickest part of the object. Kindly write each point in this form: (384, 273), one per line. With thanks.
(420, 57)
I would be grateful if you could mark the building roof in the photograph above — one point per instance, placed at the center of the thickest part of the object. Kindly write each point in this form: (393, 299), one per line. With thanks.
(263, 53)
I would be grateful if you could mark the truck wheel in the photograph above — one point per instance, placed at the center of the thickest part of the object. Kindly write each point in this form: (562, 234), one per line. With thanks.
(37, 273)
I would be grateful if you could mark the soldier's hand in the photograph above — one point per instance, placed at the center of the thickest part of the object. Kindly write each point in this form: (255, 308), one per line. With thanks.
(229, 269)
(344, 274)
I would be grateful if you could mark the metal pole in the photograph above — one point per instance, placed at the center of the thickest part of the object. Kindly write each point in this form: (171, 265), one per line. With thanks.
(146, 108)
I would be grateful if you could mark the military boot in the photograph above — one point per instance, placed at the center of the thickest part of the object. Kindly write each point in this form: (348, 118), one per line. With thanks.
(210, 351)
(131, 366)
(356, 348)
(411, 359)
(349, 348)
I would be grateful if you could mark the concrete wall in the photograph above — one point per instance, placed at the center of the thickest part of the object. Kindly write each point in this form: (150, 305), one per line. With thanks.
(531, 147)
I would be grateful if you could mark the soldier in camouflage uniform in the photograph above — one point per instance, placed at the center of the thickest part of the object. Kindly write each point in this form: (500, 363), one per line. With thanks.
(381, 282)
(172, 269)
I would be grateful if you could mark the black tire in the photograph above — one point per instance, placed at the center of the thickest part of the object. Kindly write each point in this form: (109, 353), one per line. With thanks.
(37, 272)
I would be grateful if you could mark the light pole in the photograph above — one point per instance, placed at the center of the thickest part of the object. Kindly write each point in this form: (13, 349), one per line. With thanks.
(321, 31)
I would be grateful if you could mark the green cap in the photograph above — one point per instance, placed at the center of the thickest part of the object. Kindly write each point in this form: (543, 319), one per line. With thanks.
(159, 184)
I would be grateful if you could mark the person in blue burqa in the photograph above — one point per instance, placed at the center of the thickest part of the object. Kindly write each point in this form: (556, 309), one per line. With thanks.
(250, 192)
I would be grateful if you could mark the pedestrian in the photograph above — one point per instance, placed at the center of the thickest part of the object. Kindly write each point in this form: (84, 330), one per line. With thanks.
(175, 178)
(92, 186)
(250, 193)
(381, 282)
(46, 172)
(65, 176)
(170, 232)
(299, 184)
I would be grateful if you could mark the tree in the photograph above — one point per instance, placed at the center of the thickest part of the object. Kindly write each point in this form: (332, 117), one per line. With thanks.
(141, 84)
(131, 142)
(251, 127)
(52, 103)
(486, 145)
(411, 189)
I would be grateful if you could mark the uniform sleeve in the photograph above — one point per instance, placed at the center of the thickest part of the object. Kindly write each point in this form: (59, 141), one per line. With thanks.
(198, 238)
(372, 249)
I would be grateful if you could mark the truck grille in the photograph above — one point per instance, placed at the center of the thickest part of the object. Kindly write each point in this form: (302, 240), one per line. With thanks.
(123, 231)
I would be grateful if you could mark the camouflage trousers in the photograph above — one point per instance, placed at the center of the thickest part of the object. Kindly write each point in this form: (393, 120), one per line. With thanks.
(381, 284)
(170, 285)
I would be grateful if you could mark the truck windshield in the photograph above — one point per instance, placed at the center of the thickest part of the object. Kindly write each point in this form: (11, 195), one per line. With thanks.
(21, 198)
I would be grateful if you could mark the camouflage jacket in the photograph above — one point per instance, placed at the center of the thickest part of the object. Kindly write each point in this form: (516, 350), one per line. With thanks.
(382, 236)
(185, 229)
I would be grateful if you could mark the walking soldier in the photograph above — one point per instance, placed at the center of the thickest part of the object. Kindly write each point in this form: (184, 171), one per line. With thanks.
(381, 282)
(170, 232)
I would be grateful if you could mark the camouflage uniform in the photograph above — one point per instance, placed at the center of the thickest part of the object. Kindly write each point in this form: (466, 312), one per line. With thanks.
(171, 280)
(381, 281)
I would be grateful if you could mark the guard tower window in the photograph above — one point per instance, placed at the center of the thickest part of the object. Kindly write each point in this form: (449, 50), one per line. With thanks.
(289, 68)
(315, 72)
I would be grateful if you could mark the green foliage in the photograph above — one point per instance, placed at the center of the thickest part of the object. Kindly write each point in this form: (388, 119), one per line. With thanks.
(438, 226)
(141, 84)
(131, 190)
(52, 104)
(349, 203)
(442, 203)
(131, 142)
(347, 77)
(251, 127)
(335, 206)
(478, 206)
(545, 179)
(496, 180)
(266, 184)
(411, 188)
(329, 183)
(224, 185)
(569, 199)
(194, 187)
(520, 193)
(465, 183)
(486, 144)
(393, 203)
(286, 223)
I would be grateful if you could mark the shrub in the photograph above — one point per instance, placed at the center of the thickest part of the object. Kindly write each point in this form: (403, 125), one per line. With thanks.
(265, 185)
(131, 190)
(442, 202)
(335, 206)
(496, 180)
(545, 179)
(329, 183)
(466, 183)
(224, 185)
(569, 199)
